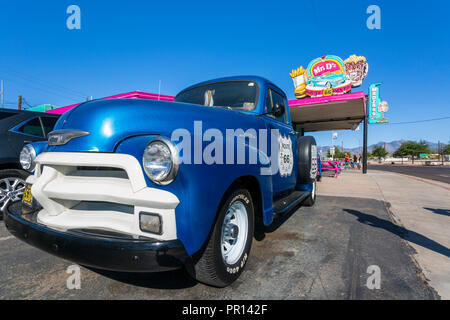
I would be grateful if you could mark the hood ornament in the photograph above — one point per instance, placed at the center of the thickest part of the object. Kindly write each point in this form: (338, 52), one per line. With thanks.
(61, 137)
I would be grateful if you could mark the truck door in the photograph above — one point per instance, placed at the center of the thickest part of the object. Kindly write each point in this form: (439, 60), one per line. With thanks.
(286, 177)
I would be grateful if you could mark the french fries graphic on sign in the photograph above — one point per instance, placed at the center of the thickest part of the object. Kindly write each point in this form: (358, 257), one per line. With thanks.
(299, 77)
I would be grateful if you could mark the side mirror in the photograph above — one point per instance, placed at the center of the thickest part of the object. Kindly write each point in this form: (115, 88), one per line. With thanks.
(278, 110)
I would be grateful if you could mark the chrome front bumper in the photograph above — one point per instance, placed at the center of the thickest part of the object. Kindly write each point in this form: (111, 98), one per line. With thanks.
(98, 191)
(116, 252)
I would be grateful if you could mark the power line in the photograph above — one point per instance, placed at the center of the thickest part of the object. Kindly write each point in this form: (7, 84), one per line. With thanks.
(2, 93)
(45, 82)
(418, 121)
(49, 91)
(44, 86)
(26, 102)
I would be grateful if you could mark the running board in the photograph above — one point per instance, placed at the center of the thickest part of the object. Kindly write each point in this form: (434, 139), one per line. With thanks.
(283, 204)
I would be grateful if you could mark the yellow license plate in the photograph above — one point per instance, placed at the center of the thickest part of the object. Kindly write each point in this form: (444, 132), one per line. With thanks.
(27, 198)
(328, 92)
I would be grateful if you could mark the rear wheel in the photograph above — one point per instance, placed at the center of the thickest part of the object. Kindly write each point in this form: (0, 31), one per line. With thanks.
(307, 160)
(228, 248)
(309, 202)
(308, 167)
(12, 185)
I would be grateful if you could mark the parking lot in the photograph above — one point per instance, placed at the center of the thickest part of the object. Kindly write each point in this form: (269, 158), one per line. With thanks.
(321, 252)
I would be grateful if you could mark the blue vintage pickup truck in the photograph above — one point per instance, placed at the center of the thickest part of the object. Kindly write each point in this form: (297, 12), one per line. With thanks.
(144, 185)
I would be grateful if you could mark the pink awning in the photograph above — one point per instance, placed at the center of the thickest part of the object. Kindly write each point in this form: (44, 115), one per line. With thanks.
(339, 112)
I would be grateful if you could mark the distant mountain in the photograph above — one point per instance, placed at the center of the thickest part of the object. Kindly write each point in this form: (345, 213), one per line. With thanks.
(391, 147)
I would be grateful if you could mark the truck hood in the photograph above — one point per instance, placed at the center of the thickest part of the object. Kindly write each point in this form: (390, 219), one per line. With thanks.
(111, 121)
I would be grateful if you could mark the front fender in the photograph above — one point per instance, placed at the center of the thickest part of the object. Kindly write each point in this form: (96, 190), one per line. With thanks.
(39, 146)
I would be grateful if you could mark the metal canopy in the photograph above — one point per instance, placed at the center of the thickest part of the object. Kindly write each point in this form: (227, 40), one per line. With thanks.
(338, 112)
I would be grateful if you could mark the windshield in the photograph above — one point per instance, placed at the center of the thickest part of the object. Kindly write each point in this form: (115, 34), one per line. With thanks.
(238, 95)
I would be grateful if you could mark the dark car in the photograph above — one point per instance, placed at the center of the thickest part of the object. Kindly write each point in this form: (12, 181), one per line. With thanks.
(18, 128)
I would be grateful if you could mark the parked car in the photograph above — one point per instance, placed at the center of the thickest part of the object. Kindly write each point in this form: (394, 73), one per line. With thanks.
(134, 185)
(18, 128)
(328, 81)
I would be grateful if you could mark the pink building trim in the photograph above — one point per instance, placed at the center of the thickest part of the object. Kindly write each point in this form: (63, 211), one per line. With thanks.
(127, 95)
(329, 99)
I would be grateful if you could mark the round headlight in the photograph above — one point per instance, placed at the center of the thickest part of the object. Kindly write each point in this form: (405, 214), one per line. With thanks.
(161, 161)
(27, 157)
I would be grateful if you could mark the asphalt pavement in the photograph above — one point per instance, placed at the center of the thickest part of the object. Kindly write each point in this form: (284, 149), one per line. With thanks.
(437, 173)
(328, 251)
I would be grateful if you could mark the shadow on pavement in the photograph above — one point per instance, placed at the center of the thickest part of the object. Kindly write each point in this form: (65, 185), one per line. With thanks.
(261, 229)
(176, 279)
(180, 279)
(444, 212)
(402, 232)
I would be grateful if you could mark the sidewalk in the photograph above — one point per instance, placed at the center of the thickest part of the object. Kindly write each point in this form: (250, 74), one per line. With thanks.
(421, 207)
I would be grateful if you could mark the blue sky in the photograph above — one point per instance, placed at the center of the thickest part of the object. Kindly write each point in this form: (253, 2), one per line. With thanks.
(125, 46)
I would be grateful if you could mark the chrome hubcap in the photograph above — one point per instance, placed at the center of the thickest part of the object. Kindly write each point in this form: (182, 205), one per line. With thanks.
(11, 190)
(234, 232)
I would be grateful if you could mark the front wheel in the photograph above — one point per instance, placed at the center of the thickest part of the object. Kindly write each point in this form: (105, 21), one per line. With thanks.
(228, 248)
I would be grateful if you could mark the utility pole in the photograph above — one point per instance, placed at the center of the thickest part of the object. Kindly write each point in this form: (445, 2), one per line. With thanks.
(332, 138)
(365, 145)
(2, 93)
(359, 147)
(331, 146)
(159, 89)
(19, 102)
(439, 150)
